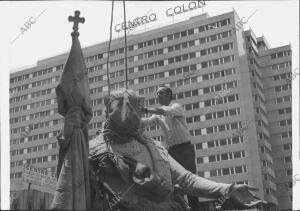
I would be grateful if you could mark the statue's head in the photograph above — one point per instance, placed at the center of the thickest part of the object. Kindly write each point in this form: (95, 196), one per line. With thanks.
(123, 109)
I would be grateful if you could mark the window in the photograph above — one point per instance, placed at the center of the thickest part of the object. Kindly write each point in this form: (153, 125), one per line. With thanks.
(53, 157)
(213, 37)
(212, 158)
(159, 40)
(287, 147)
(203, 52)
(237, 154)
(177, 35)
(200, 174)
(177, 47)
(220, 114)
(214, 49)
(210, 144)
(190, 31)
(185, 57)
(184, 33)
(189, 120)
(199, 146)
(208, 116)
(224, 156)
(225, 171)
(191, 43)
(288, 159)
(224, 34)
(201, 29)
(223, 22)
(195, 105)
(204, 64)
(179, 95)
(171, 60)
(227, 59)
(184, 45)
(200, 160)
(188, 107)
(202, 40)
(238, 170)
(192, 55)
(178, 58)
(222, 142)
(213, 173)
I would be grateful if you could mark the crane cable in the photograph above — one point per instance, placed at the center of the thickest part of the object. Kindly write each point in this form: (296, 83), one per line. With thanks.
(125, 49)
(109, 43)
(126, 74)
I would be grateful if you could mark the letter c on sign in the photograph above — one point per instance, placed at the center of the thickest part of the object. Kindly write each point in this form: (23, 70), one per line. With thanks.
(243, 21)
(30, 21)
(295, 72)
(297, 177)
(117, 30)
(168, 14)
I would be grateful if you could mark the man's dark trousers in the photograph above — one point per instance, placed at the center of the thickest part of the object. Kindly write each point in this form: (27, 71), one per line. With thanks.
(185, 155)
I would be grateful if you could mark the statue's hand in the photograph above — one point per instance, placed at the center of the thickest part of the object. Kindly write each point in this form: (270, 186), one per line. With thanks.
(150, 181)
(242, 195)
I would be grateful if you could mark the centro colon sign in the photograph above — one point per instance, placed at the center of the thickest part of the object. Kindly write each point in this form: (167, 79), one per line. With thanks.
(185, 8)
(130, 25)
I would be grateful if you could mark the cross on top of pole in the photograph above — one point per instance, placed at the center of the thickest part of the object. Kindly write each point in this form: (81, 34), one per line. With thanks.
(76, 19)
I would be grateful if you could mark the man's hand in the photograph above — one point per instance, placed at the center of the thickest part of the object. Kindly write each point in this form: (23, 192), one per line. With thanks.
(157, 111)
(144, 110)
(242, 195)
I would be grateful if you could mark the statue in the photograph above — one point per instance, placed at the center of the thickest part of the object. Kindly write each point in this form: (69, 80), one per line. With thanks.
(130, 171)
(73, 187)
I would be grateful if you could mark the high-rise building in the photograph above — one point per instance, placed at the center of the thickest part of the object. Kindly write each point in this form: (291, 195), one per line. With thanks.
(230, 82)
(277, 89)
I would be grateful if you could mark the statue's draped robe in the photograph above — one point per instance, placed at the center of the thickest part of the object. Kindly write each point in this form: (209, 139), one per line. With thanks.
(73, 186)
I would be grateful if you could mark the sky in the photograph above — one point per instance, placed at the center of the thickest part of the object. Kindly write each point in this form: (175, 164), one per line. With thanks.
(278, 21)
(49, 35)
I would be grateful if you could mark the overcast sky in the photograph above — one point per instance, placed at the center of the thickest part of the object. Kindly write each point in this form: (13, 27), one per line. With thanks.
(278, 21)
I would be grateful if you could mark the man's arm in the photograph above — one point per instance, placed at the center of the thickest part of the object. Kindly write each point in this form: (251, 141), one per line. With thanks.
(150, 121)
(174, 110)
(195, 185)
(157, 111)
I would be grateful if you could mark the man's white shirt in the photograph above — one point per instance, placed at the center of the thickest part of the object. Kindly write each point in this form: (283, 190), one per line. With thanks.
(173, 125)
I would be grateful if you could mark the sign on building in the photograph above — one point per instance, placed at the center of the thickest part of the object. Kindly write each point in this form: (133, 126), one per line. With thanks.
(38, 176)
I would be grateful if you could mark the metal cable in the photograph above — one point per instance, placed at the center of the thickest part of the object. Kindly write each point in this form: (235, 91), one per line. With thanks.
(126, 74)
(109, 43)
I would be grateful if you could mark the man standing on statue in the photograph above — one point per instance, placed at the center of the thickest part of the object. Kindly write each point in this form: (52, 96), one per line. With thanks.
(176, 137)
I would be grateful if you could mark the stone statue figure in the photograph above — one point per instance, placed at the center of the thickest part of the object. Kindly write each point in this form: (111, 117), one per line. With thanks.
(73, 98)
(130, 171)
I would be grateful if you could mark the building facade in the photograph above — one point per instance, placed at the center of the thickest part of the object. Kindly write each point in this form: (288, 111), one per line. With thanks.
(229, 82)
